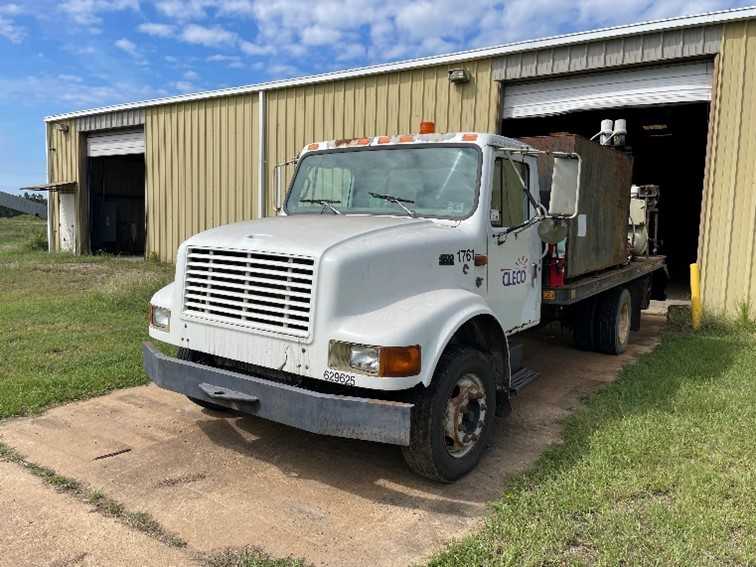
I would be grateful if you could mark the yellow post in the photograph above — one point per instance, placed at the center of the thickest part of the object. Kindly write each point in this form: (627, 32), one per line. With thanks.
(695, 297)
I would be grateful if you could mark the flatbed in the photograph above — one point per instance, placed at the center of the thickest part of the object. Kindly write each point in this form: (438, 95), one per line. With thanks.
(587, 286)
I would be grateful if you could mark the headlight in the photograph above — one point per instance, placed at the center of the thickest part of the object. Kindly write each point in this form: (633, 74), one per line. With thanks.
(365, 359)
(374, 360)
(160, 317)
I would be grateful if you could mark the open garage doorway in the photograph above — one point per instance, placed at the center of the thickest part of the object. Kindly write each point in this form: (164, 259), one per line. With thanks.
(668, 144)
(116, 183)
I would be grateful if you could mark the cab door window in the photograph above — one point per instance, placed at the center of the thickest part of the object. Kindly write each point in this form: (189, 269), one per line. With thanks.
(509, 204)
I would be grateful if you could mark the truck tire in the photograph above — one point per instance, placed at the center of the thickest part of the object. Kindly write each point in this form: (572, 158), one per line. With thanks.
(194, 356)
(613, 320)
(453, 419)
(584, 325)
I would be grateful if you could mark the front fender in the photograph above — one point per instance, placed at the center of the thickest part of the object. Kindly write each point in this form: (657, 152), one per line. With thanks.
(429, 319)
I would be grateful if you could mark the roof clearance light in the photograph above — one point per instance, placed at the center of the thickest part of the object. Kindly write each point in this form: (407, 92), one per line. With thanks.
(406, 138)
(384, 140)
(469, 137)
(313, 147)
(427, 127)
(362, 141)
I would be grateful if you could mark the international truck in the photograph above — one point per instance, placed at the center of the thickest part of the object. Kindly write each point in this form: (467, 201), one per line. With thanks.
(385, 300)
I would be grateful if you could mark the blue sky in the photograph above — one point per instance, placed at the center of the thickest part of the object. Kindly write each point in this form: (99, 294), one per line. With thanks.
(77, 54)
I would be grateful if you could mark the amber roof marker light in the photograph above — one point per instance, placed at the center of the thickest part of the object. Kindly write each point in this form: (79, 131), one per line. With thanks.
(427, 127)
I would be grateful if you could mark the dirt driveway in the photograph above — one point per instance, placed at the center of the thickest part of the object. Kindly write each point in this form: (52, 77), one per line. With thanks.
(243, 481)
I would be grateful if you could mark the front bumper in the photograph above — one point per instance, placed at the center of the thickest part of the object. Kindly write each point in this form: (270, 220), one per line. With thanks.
(327, 414)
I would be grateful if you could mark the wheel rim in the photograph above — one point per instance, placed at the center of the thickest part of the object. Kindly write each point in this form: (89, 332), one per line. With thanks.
(624, 323)
(465, 415)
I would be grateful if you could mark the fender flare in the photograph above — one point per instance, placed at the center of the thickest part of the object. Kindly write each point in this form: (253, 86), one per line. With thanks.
(452, 326)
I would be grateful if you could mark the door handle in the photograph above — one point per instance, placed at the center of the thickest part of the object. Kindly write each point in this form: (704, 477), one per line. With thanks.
(535, 273)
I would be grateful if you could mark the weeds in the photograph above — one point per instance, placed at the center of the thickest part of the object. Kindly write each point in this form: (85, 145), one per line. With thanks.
(140, 521)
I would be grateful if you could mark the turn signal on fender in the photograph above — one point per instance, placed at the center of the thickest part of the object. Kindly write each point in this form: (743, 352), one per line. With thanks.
(400, 361)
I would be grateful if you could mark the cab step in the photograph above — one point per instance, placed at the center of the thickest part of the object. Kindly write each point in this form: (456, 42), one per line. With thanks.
(520, 379)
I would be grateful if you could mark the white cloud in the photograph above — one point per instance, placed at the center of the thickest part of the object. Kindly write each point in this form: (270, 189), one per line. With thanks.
(282, 71)
(185, 9)
(208, 36)
(68, 93)
(11, 31)
(254, 49)
(230, 61)
(157, 30)
(349, 51)
(87, 12)
(183, 86)
(242, 7)
(128, 46)
(10, 9)
(319, 35)
(191, 75)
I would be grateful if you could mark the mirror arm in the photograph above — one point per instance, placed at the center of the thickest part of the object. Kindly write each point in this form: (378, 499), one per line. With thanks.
(501, 238)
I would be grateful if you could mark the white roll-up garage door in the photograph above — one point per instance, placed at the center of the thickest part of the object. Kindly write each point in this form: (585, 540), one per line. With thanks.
(116, 143)
(640, 86)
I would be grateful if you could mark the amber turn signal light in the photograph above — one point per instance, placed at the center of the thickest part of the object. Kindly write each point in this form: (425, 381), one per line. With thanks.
(427, 127)
(397, 362)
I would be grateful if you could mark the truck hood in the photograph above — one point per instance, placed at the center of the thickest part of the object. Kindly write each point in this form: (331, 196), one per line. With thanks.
(306, 235)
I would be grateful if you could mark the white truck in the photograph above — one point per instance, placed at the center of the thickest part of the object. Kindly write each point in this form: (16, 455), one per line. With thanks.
(384, 300)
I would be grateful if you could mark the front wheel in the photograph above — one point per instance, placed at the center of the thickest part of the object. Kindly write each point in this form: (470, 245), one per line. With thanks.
(453, 419)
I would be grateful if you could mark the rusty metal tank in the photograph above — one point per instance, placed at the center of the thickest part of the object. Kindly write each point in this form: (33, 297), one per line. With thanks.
(597, 239)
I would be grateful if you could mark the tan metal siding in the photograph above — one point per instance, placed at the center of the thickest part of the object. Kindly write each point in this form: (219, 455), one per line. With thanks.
(727, 248)
(380, 105)
(63, 165)
(122, 119)
(201, 168)
(647, 48)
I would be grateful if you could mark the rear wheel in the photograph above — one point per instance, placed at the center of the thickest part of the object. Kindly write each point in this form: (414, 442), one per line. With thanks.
(200, 358)
(613, 321)
(452, 422)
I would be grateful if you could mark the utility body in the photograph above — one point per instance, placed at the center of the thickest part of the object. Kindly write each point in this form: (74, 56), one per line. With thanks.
(383, 302)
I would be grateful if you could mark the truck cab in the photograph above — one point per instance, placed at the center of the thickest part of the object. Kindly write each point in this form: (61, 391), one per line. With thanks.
(380, 302)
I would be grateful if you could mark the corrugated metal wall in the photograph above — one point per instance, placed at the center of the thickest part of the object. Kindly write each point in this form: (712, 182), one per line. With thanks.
(122, 119)
(386, 104)
(63, 156)
(616, 52)
(201, 168)
(727, 248)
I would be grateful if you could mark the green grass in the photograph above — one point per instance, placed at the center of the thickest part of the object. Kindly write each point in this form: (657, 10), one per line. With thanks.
(70, 327)
(248, 557)
(659, 468)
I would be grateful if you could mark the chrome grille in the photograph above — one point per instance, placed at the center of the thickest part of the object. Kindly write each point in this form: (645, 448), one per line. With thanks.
(256, 289)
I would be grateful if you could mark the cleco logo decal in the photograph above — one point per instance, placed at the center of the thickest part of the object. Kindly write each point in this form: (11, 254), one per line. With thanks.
(516, 275)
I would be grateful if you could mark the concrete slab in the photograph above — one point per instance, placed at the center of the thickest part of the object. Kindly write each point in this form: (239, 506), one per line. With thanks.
(39, 526)
(239, 481)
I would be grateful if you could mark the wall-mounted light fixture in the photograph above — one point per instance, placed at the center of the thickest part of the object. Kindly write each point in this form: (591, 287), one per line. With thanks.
(61, 128)
(459, 76)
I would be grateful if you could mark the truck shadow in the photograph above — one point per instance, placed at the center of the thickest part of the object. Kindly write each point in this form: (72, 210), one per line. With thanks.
(377, 472)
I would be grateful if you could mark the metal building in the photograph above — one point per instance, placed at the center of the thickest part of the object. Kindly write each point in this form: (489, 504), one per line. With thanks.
(140, 178)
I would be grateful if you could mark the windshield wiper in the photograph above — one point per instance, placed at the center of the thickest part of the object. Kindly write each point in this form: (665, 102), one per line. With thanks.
(325, 203)
(397, 201)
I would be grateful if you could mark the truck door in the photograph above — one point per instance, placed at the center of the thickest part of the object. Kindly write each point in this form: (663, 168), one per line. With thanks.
(514, 258)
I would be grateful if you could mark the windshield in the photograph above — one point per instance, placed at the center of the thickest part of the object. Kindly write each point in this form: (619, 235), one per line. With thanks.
(431, 181)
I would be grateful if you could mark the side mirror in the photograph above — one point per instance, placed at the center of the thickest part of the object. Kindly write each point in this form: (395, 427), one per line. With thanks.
(565, 187)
